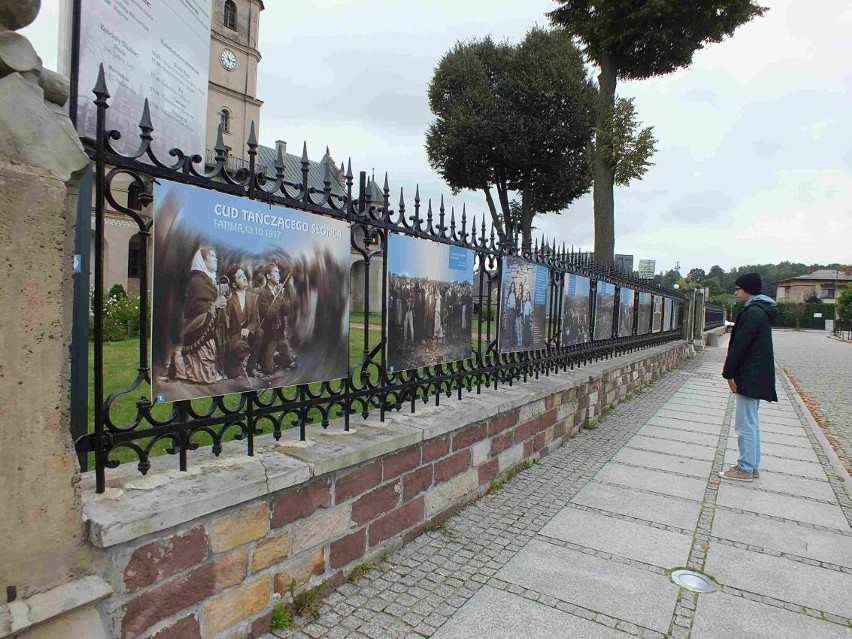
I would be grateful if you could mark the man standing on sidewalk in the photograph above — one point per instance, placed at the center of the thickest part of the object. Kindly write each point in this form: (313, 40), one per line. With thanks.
(750, 371)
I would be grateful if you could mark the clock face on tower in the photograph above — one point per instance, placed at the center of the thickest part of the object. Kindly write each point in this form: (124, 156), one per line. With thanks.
(228, 59)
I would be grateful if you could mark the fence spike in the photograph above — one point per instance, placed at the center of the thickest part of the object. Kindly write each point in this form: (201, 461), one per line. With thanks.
(145, 122)
(100, 89)
(252, 138)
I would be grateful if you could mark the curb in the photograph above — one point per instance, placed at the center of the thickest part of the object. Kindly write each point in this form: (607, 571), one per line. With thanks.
(833, 459)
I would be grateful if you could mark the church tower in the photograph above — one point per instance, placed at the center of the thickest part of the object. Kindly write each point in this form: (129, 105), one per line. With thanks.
(234, 56)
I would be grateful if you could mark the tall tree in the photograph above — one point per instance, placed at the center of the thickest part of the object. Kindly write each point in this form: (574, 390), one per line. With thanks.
(696, 275)
(515, 119)
(635, 40)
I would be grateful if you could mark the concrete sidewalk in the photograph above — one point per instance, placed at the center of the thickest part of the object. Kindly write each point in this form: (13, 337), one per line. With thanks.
(582, 544)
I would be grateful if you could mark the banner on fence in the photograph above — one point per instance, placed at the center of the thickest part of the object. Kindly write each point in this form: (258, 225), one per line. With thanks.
(246, 296)
(657, 322)
(668, 315)
(643, 323)
(626, 298)
(576, 310)
(523, 305)
(604, 310)
(430, 302)
(155, 50)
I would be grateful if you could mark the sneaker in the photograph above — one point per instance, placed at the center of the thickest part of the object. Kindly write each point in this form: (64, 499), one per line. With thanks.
(755, 474)
(735, 474)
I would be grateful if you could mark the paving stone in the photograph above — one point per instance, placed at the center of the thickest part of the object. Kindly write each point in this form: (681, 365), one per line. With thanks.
(813, 470)
(700, 418)
(683, 424)
(594, 583)
(665, 510)
(677, 434)
(780, 578)
(620, 537)
(722, 615)
(780, 450)
(648, 459)
(500, 615)
(795, 508)
(653, 480)
(785, 537)
(791, 485)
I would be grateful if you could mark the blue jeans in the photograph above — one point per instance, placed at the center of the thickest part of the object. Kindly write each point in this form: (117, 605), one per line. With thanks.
(747, 428)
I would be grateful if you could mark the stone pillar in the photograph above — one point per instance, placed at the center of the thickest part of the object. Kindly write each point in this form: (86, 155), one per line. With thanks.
(46, 581)
(698, 320)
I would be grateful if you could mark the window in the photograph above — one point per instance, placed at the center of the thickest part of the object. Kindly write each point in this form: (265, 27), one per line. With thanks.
(826, 293)
(134, 257)
(225, 116)
(133, 192)
(230, 19)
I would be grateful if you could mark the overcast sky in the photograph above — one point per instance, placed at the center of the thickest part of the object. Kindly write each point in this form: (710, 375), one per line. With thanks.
(754, 159)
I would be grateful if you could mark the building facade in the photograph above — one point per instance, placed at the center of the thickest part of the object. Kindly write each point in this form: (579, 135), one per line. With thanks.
(824, 284)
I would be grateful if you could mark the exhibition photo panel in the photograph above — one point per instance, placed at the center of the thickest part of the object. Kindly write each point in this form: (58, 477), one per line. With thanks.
(657, 322)
(523, 305)
(576, 310)
(643, 323)
(668, 318)
(626, 298)
(604, 310)
(430, 302)
(246, 296)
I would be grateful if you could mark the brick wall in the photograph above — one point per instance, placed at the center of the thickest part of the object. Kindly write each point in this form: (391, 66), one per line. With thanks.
(218, 575)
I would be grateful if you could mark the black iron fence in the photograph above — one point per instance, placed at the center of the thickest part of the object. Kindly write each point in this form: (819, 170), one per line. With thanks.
(714, 316)
(154, 427)
(843, 329)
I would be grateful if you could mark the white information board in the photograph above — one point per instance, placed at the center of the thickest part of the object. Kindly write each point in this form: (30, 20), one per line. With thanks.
(155, 49)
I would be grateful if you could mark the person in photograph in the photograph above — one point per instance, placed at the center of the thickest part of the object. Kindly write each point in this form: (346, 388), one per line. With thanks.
(509, 315)
(273, 305)
(244, 335)
(204, 305)
(527, 318)
(438, 330)
(519, 316)
(408, 329)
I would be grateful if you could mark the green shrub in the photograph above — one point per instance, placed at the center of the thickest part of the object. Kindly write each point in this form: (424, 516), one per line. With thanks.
(121, 317)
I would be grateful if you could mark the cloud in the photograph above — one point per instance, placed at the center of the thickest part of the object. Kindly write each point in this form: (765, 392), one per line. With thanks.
(699, 207)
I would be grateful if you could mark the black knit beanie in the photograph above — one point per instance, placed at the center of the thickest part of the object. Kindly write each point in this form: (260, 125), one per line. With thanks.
(750, 283)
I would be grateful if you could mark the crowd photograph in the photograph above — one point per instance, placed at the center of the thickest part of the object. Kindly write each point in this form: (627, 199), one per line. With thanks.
(604, 310)
(430, 303)
(626, 297)
(576, 310)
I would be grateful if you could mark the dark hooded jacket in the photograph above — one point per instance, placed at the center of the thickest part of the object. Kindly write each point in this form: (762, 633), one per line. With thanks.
(751, 362)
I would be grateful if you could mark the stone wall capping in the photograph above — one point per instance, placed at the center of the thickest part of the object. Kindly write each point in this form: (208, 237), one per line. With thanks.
(135, 506)
(331, 450)
(24, 614)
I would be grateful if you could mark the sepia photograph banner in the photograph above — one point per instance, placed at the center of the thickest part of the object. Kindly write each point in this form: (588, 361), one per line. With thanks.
(430, 302)
(657, 322)
(643, 324)
(246, 295)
